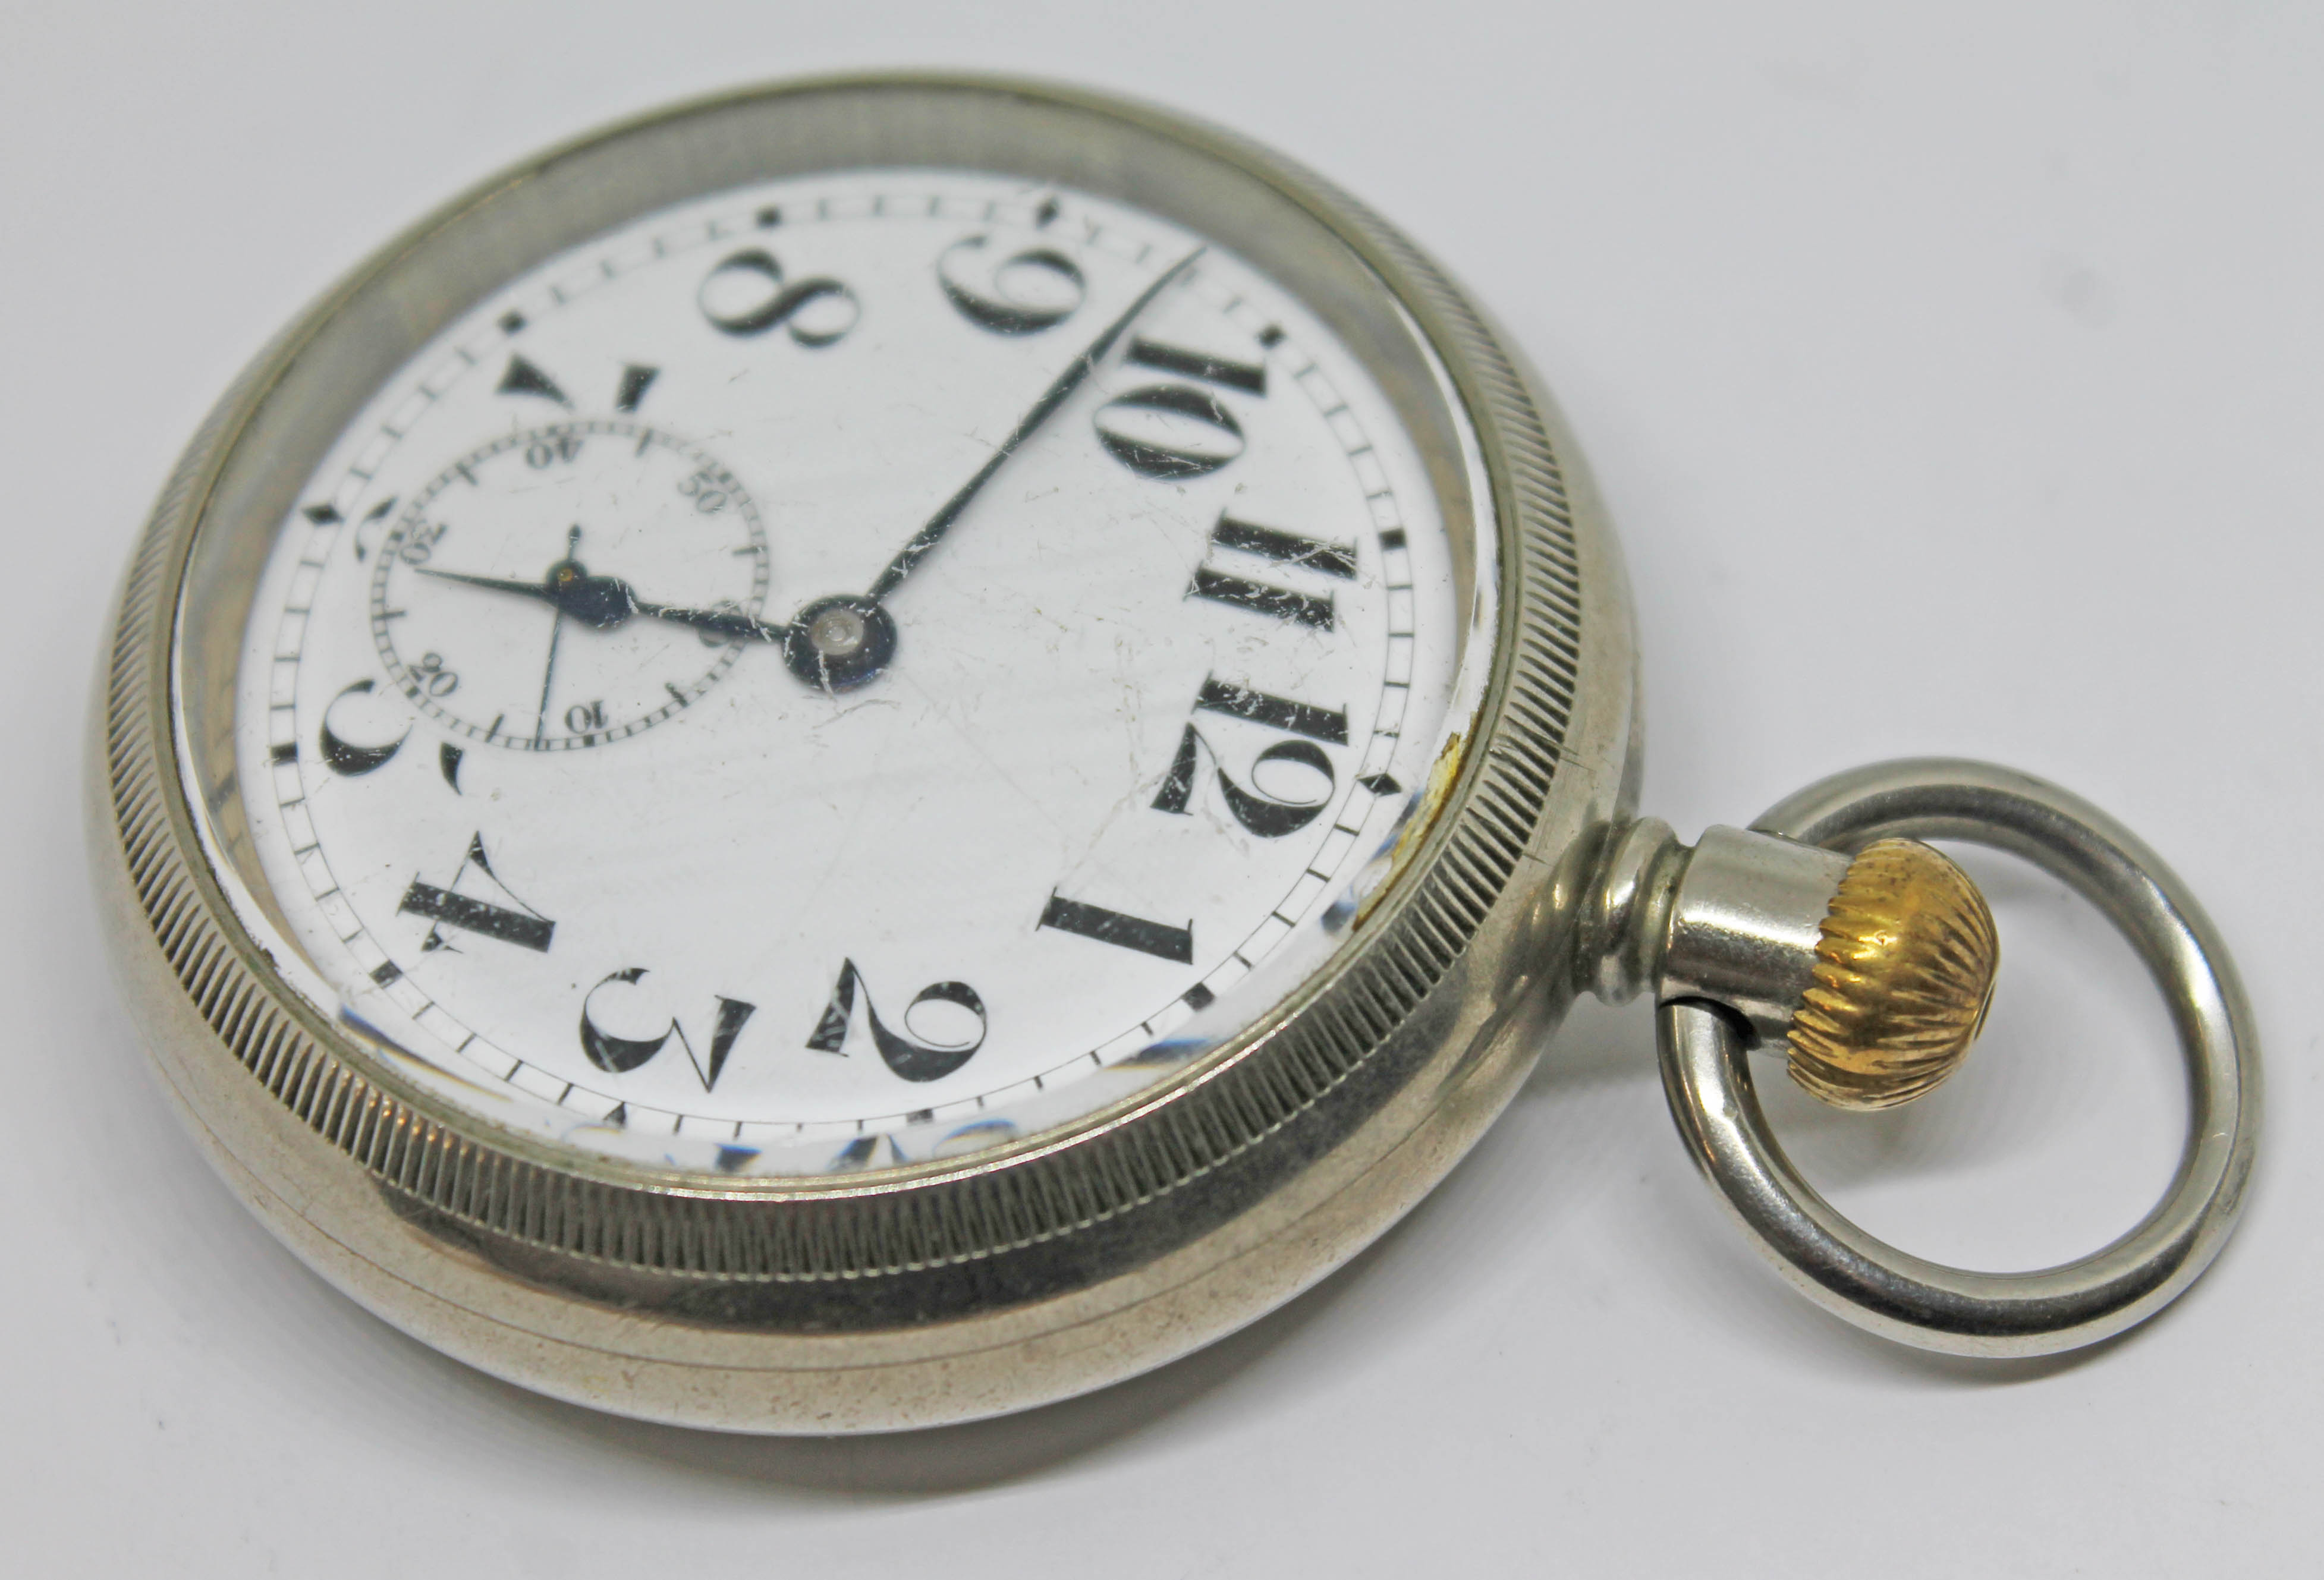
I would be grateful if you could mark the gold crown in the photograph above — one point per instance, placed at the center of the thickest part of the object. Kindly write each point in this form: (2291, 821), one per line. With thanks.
(1903, 975)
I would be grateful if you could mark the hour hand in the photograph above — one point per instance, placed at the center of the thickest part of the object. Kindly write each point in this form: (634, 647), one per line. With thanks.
(735, 624)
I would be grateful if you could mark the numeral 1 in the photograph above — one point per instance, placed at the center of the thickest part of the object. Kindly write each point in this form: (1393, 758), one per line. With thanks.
(1158, 939)
(1249, 377)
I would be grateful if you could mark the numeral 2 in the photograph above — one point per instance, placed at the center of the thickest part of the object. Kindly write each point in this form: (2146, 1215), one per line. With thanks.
(911, 1059)
(1270, 817)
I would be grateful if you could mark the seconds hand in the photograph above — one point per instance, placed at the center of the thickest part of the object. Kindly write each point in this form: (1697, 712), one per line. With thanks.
(565, 569)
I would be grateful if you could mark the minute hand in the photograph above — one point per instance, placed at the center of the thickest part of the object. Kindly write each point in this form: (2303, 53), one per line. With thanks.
(1055, 396)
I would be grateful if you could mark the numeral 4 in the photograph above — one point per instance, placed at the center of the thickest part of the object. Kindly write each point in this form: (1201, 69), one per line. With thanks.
(453, 906)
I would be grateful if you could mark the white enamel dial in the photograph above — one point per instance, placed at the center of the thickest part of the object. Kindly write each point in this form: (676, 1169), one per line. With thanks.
(844, 672)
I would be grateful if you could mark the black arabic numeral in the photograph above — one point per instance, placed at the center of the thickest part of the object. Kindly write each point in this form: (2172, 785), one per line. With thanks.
(349, 758)
(1270, 817)
(1164, 941)
(620, 1055)
(451, 906)
(1288, 549)
(930, 1059)
(1178, 431)
(746, 296)
(1029, 291)
(582, 718)
(1293, 718)
(1170, 431)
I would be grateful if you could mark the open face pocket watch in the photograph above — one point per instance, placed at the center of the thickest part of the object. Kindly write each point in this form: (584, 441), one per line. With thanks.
(880, 749)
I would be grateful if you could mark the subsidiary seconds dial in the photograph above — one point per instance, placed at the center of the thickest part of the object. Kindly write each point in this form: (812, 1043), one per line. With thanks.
(568, 586)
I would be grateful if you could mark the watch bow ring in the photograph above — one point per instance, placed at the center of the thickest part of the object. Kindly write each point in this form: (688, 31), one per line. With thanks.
(882, 748)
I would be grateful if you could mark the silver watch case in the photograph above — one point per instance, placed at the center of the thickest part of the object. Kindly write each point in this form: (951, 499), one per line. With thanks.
(950, 1291)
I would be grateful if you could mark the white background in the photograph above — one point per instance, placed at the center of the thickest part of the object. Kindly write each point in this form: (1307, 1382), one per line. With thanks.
(1955, 375)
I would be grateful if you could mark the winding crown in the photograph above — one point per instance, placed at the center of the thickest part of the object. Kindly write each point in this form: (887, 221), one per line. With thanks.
(1903, 975)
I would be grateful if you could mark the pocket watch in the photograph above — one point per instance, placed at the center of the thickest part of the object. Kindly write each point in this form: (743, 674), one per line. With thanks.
(882, 748)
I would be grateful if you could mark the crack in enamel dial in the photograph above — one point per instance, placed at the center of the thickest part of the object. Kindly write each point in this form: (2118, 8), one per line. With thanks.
(845, 672)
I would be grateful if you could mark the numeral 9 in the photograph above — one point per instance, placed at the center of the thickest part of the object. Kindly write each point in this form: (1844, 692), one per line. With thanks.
(1024, 293)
